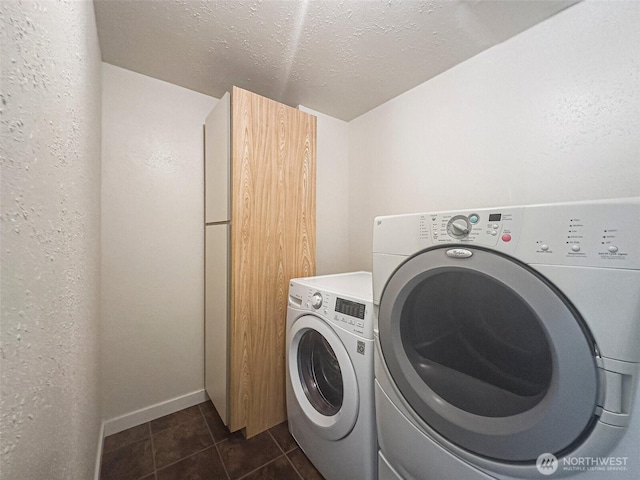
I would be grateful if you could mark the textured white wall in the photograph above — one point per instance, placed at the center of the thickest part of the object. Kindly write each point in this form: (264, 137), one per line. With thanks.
(152, 241)
(50, 231)
(332, 194)
(551, 115)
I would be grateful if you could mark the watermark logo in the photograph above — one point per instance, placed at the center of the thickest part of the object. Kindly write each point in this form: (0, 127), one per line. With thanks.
(547, 464)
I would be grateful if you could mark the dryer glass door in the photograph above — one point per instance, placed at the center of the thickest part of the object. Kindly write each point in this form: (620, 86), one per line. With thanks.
(489, 354)
(482, 348)
(320, 373)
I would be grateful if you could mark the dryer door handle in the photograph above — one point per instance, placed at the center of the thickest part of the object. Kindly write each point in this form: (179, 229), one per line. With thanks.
(619, 380)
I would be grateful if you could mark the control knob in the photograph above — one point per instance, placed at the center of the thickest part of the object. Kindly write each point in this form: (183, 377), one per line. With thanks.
(316, 300)
(459, 226)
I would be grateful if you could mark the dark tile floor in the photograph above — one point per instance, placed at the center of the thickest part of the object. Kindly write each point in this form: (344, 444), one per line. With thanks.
(194, 444)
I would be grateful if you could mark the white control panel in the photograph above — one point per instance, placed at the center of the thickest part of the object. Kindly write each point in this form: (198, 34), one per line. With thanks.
(596, 234)
(350, 313)
(479, 227)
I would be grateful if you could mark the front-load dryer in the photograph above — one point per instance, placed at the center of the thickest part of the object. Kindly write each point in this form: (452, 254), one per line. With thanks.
(330, 400)
(508, 341)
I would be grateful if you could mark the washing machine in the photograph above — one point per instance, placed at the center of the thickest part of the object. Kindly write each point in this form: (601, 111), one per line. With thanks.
(330, 350)
(508, 342)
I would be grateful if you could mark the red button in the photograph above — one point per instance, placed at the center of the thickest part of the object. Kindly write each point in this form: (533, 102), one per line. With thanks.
(506, 237)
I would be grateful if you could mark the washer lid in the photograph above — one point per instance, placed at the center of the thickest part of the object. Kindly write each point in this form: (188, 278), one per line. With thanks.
(322, 377)
(488, 353)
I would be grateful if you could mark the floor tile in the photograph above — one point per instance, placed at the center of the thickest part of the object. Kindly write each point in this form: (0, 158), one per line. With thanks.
(205, 465)
(176, 443)
(304, 466)
(279, 469)
(194, 444)
(216, 425)
(207, 407)
(241, 456)
(282, 437)
(117, 440)
(130, 462)
(168, 421)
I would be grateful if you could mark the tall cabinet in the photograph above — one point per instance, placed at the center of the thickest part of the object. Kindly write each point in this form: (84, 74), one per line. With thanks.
(260, 174)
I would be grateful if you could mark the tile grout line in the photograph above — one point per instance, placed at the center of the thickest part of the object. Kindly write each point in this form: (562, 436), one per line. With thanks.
(222, 461)
(184, 458)
(224, 466)
(153, 453)
(286, 454)
(294, 467)
(215, 444)
(130, 442)
(177, 424)
(261, 467)
(276, 442)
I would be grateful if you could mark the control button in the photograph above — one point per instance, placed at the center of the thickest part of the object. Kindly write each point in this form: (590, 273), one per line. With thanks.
(575, 248)
(613, 249)
(316, 300)
(506, 237)
(494, 233)
(495, 226)
(544, 247)
(474, 218)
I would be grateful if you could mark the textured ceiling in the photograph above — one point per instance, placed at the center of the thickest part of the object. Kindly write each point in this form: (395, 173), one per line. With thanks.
(342, 58)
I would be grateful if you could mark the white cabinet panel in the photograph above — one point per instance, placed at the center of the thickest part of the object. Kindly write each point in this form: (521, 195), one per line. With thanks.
(216, 316)
(217, 130)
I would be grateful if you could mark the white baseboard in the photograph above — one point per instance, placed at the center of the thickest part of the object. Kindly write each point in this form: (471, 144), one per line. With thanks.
(152, 412)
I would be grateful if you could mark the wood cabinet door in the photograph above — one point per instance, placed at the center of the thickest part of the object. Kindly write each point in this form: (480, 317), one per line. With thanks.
(273, 239)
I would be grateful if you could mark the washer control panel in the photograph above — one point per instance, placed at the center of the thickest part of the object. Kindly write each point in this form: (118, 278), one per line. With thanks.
(350, 313)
